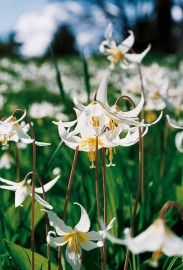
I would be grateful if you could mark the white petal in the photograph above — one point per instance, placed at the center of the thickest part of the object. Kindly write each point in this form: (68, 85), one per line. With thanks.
(55, 241)
(126, 45)
(102, 90)
(78, 104)
(42, 202)
(20, 119)
(42, 143)
(74, 259)
(91, 245)
(157, 120)
(26, 141)
(94, 236)
(14, 188)
(179, 141)
(66, 124)
(84, 222)
(21, 134)
(8, 182)
(137, 58)
(47, 186)
(149, 240)
(58, 224)
(173, 245)
(20, 195)
(135, 111)
(172, 123)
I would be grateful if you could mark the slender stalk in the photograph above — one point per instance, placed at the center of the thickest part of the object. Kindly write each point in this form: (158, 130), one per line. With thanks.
(142, 117)
(67, 200)
(97, 195)
(169, 204)
(18, 180)
(47, 220)
(33, 183)
(105, 204)
(137, 194)
(97, 180)
(162, 160)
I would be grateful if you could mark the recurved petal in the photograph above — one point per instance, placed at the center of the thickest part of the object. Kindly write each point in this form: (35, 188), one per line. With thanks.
(126, 45)
(84, 222)
(137, 58)
(172, 123)
(58, 224)
(66, 124)
(41, 201)
(14, 188)
(135, 111)
(21, 134)
(47, 186)
(102, 90)
(94, 236)
(173, 245)
(20, 195)
(74, 259)
(20, 119)
(179, 141)
(78, 104)
(42, 143)
(91, 245)
(9, 182)
(55, 241)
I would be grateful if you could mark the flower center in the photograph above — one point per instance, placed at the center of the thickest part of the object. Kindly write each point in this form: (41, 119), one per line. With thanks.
(117, 55)
(75, 239)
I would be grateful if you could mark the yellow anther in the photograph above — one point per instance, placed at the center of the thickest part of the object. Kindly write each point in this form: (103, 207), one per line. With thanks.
(74, 239)
(117, 55)
(150, 117)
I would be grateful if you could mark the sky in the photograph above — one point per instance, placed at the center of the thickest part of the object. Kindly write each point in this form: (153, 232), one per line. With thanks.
(38, 20)
(11, 10)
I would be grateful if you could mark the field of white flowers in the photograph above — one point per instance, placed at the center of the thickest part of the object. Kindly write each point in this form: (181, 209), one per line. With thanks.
(91, 162)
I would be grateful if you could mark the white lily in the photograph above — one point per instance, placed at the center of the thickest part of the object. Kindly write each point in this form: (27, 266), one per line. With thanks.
(156, 238)
(10, 130)
(23, 189)
(99, 120)
(118, 53)
(77, 238)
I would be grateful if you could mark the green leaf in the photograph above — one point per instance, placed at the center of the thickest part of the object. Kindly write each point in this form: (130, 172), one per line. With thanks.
(22, 258)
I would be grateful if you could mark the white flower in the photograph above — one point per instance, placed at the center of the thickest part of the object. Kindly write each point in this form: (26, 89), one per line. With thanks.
(23, 189)
(6, 161)
(10, 130)
(44, 109)
(118, 53)
(99, 120)
(156, 238)
(77, 238)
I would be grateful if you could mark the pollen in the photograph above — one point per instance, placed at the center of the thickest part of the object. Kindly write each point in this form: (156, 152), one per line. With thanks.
(75, 239)
(117, 55)
(150, 117)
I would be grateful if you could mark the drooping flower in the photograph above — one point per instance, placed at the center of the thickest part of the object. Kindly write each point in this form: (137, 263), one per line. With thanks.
(98, 121)
(23, 189)
(119, 53)
(76, 239)
(10, 130)
(157, 238)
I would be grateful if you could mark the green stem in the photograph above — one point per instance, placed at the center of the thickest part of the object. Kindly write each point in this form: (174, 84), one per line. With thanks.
(67, 199)
(105, 205)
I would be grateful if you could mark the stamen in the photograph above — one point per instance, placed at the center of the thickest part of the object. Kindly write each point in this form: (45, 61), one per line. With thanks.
(111, 158)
